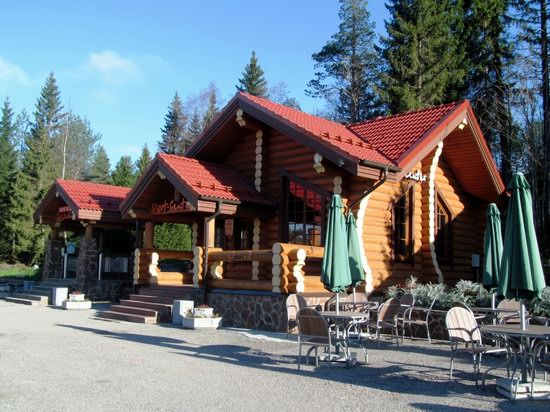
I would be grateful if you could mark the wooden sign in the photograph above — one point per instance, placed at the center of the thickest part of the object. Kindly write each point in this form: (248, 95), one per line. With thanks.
(166, 207)
(64, 213)
(417, 176)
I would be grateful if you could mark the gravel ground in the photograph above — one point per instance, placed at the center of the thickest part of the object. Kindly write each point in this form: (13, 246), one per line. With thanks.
(59, 360)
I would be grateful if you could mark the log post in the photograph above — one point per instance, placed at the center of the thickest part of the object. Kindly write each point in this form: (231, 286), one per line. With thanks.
(256, 246)
(149, 236)
(153, 268)
(198, 261)
(89, 234)
(216, 266)
(136, 266)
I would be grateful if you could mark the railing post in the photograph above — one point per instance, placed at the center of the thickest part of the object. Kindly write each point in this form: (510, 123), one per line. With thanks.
(198, 261)
(136, 265)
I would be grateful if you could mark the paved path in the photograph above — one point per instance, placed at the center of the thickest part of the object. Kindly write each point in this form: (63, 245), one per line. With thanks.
(55, 360)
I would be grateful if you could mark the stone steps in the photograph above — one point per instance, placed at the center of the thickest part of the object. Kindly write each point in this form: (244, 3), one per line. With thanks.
(134, 310)
(152, 298)
(21, 301)
(128, 317)
(41, 299)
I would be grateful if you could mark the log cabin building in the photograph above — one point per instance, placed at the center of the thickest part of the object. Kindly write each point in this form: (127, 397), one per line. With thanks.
(255, 186)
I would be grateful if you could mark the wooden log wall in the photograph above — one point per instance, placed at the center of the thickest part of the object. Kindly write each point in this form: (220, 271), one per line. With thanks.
(147, 270)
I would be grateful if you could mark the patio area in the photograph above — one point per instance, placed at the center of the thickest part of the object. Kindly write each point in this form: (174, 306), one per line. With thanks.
(74, 361)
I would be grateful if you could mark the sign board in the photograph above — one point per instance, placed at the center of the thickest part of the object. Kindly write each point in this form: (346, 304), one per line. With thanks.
(416, 175)
(229, 224)
(166, 207)
(71, 247)
(64, 213)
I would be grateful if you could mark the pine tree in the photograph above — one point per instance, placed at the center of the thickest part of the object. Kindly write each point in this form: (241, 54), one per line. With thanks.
(174, 138)
(424, 58)
(124, 175)
(212, 108)
(8, 172)
(349, 66)
(143, 161)
(195, 126)
(27, 241)
(253, 81)
(100, 167)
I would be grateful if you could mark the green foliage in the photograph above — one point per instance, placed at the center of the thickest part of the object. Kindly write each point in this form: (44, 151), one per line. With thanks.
(195, 127)
(423, 54)
(212, 107)
(349, 66)
(253, 81)
(541, 307)
(19, 271)
(143, 161)
(100, 169)
(124, 175)
(174, 138)
(171, 236)
(8, 173)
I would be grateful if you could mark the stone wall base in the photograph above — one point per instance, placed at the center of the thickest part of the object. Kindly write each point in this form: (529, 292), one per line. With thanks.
(53, 260)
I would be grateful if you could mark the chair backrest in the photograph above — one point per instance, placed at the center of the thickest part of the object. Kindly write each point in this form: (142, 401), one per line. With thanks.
(311, 323)
(507, 316)
(459, 321)
(458, 304)
(293, 304)
(388, 310)
(407, 300)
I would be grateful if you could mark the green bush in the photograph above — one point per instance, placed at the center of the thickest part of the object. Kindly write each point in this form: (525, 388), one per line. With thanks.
(541, 307)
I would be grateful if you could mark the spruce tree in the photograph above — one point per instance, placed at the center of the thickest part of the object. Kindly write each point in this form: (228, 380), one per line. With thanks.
(143, 161)
(212, 108)
(422, 53)
(8, 173)
(100, 167)
(253, 81)
(348, 66)
(174, 138)
(195, 126)
(27, 241)
(124, 175)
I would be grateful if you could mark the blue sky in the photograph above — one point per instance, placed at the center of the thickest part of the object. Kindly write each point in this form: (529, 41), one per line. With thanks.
(119, 62)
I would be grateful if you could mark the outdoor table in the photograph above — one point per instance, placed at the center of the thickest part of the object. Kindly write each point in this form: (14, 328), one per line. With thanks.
(348, 319)
(511, 387)
(493, 311)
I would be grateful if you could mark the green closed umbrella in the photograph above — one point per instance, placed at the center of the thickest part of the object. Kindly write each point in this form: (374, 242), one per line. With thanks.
(354, 253)
(521, 275)
(493, 247)
(335, 270)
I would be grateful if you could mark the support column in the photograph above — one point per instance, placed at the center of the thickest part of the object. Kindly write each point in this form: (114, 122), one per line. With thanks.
(149, 236)
(53, 257)
(211, 228)
(87, 262)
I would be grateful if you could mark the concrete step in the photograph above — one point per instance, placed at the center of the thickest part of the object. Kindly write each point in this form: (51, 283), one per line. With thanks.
(22, 301)
(44, 289)
(128, 317)
(36, 293)
(159, 307)
(151, 298)
(165, 295)
(42, 300)
(133, 310)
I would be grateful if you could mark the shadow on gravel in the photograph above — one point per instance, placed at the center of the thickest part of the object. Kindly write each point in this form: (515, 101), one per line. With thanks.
(405, 378)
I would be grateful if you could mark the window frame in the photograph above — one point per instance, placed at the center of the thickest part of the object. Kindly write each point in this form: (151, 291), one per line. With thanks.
(409, 192)
(285, 178)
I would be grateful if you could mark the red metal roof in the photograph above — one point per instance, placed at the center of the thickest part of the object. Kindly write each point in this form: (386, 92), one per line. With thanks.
(212, 180)
(93, 196)
(332, 134)
(395, 135)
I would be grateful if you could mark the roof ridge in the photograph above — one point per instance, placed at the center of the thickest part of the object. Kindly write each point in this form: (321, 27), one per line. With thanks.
(408, 113)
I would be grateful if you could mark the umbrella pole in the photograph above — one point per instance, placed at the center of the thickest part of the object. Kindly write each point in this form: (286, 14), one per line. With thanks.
(337, 303)
(354, 299)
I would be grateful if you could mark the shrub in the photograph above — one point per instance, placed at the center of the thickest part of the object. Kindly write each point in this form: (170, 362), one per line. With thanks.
(541, 307)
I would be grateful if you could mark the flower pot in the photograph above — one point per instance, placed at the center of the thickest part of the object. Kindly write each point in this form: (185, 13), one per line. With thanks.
(201, 323)
(76, 297)
(203, 312)
(75, 305)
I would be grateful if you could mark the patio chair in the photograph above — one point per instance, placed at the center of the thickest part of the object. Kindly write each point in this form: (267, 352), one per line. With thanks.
(387, 318)
(503, 317)
(410, 320)
(315, 332)
(463, 328)
(293, 304)
(406, 303)
(541, 359)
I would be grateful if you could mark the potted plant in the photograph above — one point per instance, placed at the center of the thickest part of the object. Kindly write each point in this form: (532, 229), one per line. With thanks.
(203, 311)
(202, 317)
(77, 296)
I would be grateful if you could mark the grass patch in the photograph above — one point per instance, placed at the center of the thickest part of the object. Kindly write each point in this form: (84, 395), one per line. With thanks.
(19, 271)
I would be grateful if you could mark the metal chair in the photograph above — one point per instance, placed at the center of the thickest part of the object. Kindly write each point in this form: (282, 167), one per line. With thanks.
(406, 302)
(387, 318)
(408, 319)
(293, 304)
(315, 332)
(541, 358)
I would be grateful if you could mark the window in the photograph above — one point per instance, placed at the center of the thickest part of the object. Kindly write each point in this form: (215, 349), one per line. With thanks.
(304, 212)
(219, 237)
(243, 234)
(443, 231)
(403, 236)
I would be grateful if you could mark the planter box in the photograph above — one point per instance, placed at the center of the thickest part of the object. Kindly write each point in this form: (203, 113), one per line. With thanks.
(70, 305)
(201, 323)
(203, 312)
(76, 298)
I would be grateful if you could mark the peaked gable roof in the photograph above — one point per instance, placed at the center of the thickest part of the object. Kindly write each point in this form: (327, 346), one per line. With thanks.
(201, 183)
(86, 200)
(396, 142)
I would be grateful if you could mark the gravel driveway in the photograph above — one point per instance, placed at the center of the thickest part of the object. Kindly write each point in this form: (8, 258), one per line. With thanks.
(57, 360)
